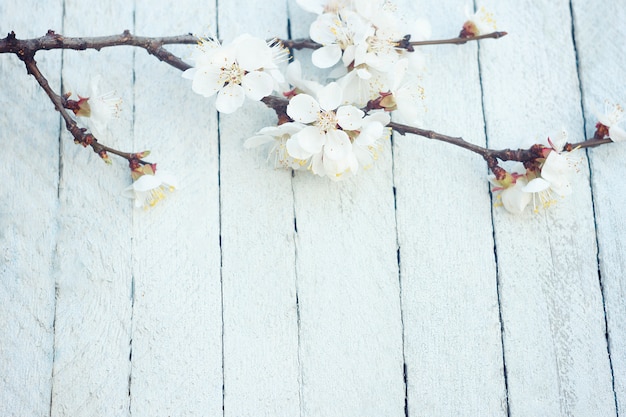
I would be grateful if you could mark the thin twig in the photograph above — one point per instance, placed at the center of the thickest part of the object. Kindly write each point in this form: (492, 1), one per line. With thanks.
(306, 43)
(52, 40)
(459, 40)
(80, 135)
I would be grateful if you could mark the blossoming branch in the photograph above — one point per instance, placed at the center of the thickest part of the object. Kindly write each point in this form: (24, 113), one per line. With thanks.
(334, 129)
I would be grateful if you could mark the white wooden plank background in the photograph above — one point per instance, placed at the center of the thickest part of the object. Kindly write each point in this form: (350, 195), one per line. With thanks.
(252, 292)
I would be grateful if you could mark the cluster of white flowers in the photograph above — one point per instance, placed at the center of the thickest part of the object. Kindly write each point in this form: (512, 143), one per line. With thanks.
(548, 177)
(608, 123)
(335, 129)
(95, 108)
(365, 41)
(542, 182)
(329, 138)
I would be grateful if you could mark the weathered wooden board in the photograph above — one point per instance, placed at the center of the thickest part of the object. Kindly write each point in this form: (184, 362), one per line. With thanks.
(256, 202)
(555, 351)
(449, 284)
(93, 253)
(177, 322)
(348, 289)
(600, 35)
(29, 165)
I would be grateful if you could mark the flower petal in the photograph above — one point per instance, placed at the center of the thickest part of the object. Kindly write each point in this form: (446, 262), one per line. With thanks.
(515, 199)
(311, 139)
(370, 133)
(317, 165)
(323, 29)
(617, 134)
(257, 84)
(257, 140)
(338, 145)
(536, 185)
(230, 98)
(189, 73)
(206, 82)
(350, 117)
(295, 150)
(252, 53)
(303, 108)
(326, 56)
(330, 96)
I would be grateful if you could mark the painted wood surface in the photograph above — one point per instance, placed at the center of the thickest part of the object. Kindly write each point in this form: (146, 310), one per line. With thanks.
(449, 281)
(28, 220)
(176, 343)
(596, 49)
(552, 309)
(252, 291)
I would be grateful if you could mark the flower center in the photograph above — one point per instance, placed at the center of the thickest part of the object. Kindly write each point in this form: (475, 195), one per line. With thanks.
(342, 34)
(327, 120)
(233, 74)
(378, 45)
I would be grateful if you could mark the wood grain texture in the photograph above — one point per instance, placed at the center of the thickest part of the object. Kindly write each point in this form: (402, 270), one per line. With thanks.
(260, 321)
(599, 34)
(449, 294)
(93, 258)
(555, 351)
(29, 134)
(348, 289)
(177, 323)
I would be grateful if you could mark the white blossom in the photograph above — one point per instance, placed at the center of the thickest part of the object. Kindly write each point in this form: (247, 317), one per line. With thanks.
(479, 23)
(277, 136)
(148, 190)
(338, 33)
(324, 6)
(554, 176)
(371, 140)
(324, 139)
(244, 68)
(98, 108)
(611, 118)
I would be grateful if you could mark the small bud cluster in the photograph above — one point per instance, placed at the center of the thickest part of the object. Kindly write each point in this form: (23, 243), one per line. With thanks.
(541, 180)
(149, 186)
(97, 110)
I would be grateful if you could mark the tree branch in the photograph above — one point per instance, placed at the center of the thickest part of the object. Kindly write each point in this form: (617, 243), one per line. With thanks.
(52, 40)
(80, 134)
(26, 49)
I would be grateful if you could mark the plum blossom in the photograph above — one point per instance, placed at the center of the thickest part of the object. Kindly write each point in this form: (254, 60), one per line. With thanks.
(338, 33)
(97, 108)
(514, 198)
(324, 140)
(370, 140)
(479, 23)
(553, 178)
(408, 95)
(293, 74)
(608, 123)
(149, 186)
(247, 67)
(511, 189)
(278, 136)
(323, 6)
